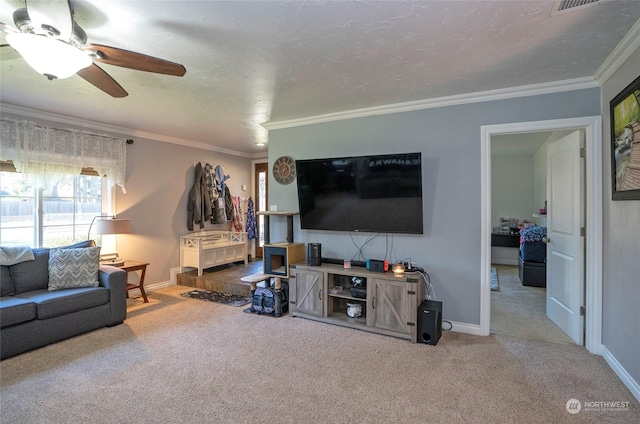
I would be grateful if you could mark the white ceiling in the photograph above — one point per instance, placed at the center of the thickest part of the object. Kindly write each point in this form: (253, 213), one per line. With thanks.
(253, 62)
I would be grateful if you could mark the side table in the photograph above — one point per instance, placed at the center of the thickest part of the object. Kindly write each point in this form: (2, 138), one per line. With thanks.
(131, 266)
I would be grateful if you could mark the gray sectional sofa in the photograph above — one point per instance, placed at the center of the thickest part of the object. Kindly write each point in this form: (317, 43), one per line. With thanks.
(33, 315)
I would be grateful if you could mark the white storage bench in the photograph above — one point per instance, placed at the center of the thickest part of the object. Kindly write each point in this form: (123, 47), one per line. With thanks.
(212, 248)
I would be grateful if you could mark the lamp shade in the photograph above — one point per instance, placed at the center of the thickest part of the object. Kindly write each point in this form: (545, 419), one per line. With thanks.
(113, 226)
(48, 56)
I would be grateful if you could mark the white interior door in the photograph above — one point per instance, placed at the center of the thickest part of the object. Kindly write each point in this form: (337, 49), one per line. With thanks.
(565, 246)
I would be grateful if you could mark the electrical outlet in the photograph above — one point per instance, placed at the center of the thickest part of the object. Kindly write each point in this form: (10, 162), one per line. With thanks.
(273, 208)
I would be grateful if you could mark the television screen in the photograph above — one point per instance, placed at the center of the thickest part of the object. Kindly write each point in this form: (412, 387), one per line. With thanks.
(378, 193)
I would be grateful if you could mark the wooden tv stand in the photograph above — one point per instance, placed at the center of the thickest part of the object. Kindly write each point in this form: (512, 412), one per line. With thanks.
(390, 305)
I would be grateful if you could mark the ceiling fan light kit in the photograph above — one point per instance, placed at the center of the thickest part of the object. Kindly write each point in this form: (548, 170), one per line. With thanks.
(51, 42)
(48, 56)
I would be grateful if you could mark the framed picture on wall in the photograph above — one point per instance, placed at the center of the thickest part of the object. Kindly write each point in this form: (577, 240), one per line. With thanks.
(625, 143)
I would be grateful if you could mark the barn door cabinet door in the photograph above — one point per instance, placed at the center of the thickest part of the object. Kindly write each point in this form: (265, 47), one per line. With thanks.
(392, 305)
(306, 293)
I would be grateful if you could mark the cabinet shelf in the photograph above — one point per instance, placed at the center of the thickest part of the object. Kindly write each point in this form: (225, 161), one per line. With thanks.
(345, 294)
(343, 317)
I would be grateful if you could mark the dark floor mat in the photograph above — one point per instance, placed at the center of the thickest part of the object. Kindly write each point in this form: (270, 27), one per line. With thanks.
(212, 296)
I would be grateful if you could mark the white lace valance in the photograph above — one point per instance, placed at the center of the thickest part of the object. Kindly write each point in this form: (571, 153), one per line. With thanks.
(38, 151)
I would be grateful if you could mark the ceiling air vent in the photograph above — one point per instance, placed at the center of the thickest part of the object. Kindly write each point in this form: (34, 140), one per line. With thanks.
(563, 6)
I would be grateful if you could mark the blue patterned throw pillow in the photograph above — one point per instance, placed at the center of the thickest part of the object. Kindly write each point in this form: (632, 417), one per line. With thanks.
(73, 268)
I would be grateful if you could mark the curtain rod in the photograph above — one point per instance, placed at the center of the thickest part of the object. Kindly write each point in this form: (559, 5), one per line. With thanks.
(69, 130)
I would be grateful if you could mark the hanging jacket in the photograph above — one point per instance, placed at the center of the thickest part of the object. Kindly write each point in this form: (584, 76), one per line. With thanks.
(220, 210)
(252, 231)
(238, 221)
(228, 204)
(209, 182)
(198, 203)
(220, 178)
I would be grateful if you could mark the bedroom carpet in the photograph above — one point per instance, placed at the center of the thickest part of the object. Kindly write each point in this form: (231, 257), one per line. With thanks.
(520, 311)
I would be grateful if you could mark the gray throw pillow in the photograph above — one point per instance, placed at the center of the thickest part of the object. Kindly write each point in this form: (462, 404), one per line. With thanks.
(73, 268)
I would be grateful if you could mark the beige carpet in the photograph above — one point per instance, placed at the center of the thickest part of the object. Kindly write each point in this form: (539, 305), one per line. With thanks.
(520, 311)
(178, 360)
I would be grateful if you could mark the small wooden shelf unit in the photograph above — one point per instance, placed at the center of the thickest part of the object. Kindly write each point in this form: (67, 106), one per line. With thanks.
(207, 249)
(278, 257)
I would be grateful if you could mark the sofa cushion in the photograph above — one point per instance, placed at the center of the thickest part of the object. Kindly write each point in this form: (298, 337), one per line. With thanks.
(80, 244)
(31, 275)
(50, 304)
(73, 268)
(34, 275)
(6, 283)
(14, 310)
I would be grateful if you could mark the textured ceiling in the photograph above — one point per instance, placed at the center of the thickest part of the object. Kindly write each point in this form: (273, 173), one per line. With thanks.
(253, 62)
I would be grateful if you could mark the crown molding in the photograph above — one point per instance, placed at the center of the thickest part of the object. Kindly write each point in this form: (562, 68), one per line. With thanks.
(484, 96)
(19, 111)
(629, 44)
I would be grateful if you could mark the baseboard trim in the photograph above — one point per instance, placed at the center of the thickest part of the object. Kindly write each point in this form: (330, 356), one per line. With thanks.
(622, 373)
(152, 287)
(161, 285)
(174, 274)
(463, 327)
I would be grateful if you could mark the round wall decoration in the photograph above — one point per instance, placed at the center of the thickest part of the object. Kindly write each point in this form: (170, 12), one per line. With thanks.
(284, 170)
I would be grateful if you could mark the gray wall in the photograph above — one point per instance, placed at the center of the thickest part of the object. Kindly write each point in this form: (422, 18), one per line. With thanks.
(159, 177)
(621, 231)
(540, 177)
(512, 188)
(449, 139)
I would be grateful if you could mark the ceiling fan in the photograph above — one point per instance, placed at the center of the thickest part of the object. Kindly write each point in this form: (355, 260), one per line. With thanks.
(52, 43)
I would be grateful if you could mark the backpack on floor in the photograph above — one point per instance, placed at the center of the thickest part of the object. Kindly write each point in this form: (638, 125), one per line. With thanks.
(263, 301)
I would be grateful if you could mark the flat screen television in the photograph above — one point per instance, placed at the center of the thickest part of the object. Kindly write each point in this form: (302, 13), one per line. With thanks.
(377, 193)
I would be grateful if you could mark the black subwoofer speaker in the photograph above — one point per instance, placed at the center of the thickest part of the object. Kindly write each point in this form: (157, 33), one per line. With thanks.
(429, 322)
(314, 254)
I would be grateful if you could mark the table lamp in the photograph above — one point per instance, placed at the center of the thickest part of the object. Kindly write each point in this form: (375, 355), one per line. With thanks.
(110, 226)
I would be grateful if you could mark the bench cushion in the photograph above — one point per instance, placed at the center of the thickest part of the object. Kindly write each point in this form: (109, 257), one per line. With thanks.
(61, 302)
(14, 310)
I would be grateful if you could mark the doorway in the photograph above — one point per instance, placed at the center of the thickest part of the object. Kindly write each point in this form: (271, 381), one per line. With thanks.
(593, 253)
(519, 190)
(261, 202)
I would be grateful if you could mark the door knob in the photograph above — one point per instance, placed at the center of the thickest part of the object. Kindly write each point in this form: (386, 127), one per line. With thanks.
(546, 240)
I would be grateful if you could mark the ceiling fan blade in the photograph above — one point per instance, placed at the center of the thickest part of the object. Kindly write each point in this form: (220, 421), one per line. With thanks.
(96, 76)
(51, 16)
(8, 53)
(7, 29)
(132, 60)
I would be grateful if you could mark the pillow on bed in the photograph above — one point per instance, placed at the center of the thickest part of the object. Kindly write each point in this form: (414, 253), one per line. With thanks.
(73, 268)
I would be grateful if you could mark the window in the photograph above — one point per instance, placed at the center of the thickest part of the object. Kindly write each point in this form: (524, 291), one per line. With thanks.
(57, 215)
